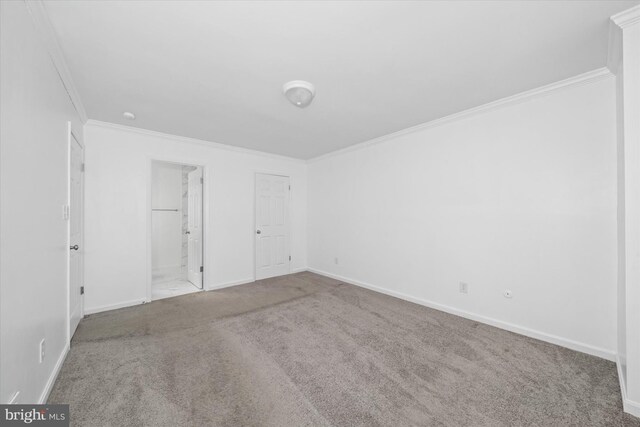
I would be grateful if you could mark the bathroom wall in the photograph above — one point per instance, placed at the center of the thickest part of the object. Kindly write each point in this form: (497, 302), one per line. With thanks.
(185, 216)
(167, 228)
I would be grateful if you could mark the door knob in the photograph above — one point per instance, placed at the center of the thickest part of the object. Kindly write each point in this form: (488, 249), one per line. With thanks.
(74, 247)
(258, 232)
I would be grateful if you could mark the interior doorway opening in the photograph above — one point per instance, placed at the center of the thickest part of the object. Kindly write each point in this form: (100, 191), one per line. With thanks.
(176, 229)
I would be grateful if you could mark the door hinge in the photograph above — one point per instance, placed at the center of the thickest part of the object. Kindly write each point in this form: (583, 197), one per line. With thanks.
(289, 257)
(201, 269)
(82, 167)
(81, 290)
(289, 188)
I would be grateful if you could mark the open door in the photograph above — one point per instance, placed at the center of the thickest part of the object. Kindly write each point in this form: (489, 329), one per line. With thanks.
(76, 220)
(194, 231)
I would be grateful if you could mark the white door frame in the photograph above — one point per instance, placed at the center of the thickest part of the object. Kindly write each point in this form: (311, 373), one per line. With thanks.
(257, 172)
(186, 161)
(72, 136)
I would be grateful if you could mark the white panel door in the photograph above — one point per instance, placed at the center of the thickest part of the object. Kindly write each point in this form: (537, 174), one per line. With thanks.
(76, 219)
(194, 226)
(272, 226)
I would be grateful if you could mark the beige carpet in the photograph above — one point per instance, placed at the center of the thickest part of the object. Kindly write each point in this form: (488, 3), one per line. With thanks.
(305, 350)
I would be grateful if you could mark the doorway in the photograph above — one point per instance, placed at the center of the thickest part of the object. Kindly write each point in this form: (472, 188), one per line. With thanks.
(272, 256)
(176, 229)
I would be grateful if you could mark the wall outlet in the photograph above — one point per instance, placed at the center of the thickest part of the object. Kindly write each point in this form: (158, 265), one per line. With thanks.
(335, 260)
(508, 293)
(42, 350)
(464, 288)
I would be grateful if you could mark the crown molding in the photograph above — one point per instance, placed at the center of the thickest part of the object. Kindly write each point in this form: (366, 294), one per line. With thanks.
(580, 79)
(38, 11)
(185, 139)
(614, 50)
(626, 18)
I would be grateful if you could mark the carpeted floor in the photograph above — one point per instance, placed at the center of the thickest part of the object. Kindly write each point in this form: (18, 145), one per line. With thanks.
(306, 350)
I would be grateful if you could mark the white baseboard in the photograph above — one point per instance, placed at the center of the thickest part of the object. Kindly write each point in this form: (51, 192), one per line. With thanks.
(229, 284)
(245, 281)
(99, 309)
(54, 375)
(553, 339)
(629, 406)
(131, 303)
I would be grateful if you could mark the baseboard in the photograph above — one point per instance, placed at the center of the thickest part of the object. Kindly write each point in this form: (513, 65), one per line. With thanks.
(229, 284)
(99, 309)
(54, 375)
(244, 282)
(629, 406)
(553, 339)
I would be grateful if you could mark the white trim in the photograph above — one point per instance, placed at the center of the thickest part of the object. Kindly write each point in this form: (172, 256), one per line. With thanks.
(627, 17)
(618, 23)
(299, 270)
(54, 375)
(38, 11)
(230, 284)
(614, 49)
(553, 339)
(628, 406)
(141, 301)
(108, 307)
(177, 138)
(580, 79)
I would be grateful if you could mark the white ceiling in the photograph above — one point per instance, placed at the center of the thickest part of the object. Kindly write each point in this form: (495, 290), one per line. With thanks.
(215, 70)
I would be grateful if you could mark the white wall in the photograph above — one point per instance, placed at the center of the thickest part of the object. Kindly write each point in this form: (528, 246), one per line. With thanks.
(34, 112)
(522, 197)
(166, 193)
(118, 163)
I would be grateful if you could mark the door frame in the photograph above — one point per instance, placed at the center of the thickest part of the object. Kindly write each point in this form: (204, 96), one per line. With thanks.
(185, 161)
(72, 135)
(257, 172)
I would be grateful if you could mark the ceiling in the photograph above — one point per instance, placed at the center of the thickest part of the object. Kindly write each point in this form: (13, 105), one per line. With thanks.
(215, 70)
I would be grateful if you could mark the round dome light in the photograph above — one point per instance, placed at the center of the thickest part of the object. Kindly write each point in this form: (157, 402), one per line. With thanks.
(299, 93)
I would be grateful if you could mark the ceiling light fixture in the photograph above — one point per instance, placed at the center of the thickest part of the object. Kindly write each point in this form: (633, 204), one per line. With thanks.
(299, 93)
(129, 116)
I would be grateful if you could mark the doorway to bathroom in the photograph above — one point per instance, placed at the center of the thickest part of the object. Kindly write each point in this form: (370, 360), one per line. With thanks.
(176, 229)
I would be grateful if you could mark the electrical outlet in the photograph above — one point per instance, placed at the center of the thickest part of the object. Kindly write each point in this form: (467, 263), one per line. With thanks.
(508, 293)
(464, 288)
(335, 260)
(42, 350)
